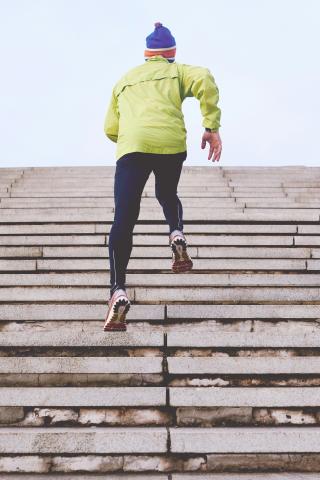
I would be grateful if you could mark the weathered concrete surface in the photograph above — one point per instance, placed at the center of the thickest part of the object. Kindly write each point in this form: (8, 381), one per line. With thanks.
(235, 440)
(94, 396)
(245, 397)
(81, 365)
(200, 338)
(247, 476)
(73, 338)
(82, 440)
(236, 365)
(147, 476)
(234, 343)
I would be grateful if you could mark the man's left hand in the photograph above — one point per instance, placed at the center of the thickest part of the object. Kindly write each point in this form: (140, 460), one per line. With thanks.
(214, 141)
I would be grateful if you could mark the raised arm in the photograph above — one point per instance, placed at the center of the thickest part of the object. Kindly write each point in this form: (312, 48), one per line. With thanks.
(198, 82)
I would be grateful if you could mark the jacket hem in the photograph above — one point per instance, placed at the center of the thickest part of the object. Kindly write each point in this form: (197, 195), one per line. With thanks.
(159, 150)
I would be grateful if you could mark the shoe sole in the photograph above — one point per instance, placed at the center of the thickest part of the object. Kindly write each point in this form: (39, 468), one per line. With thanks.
(120, 309)
(182, 262)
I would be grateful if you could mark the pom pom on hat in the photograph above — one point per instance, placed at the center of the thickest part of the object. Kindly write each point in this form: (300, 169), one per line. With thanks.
(160, 42)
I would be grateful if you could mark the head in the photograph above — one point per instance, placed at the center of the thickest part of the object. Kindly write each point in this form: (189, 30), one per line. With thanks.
(160, 42)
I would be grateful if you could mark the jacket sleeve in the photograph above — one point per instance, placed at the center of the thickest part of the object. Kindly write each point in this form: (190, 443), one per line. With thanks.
(198, 82)
(111, 123)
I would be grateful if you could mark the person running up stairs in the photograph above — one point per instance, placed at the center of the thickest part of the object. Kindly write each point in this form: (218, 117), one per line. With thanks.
(145, 119)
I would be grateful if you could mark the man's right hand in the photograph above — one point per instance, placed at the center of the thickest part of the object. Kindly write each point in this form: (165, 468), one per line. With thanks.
(215, 144)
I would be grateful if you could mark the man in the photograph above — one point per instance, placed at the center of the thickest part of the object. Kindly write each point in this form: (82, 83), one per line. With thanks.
(146, 121)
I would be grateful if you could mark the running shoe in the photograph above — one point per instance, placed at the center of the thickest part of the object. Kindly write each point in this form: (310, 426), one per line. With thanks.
(118, 307)
(181, 260)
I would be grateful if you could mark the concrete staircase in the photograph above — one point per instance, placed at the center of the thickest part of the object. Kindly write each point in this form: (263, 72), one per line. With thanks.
(218, 376)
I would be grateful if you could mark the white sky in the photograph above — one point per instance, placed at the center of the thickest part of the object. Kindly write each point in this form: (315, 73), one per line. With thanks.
(61, 58)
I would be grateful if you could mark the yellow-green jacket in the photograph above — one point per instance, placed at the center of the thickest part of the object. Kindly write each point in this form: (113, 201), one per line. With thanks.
(145, 114)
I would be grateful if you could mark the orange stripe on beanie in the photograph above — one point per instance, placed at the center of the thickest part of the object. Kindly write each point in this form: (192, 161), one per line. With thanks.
(171, 53)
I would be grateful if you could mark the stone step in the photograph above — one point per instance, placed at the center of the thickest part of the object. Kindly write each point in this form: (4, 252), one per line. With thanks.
(239, 476)
(307, 240)
(156, 264)
(52, 240)
(271, 184)
(74, 338)
(153, 440)
(85, 189)
(12, 252)
(109, 202)
(107, 175)
(158, 252)
(107, 209)
(256, 187)
(150, 251)
(186, 294)
(102, 252)
(78, 312)
(71, 228)
(199, 338)
(17, 231)
(266, 365)
(15, 215)
(308, 229)
(76, 173)
(150, 313)
(262, 397)
(234, 201)
(313, 265)
(83, 440)
(83, 462)
(30, 193)
(161, 240)
(193, 336)
(151, 202)
(243, 397)
(85, 365)
(245, 440)
(290, 204)
(17, 265)
(283, 328)
(177, 366)
(107, 187)
(246, 194)
(194, 180)
(7, 177)
(101, 279)
(243, 311)
(159, 294)
(299, 190)
(245, 170)
(82, 397)
(249, 252)
(188, 173)
(304, 196)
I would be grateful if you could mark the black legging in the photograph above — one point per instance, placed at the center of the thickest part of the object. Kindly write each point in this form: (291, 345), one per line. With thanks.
(131, 175)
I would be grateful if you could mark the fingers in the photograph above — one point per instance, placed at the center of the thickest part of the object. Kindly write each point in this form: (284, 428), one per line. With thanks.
(215, 149)
(211, 150)
(217, 153)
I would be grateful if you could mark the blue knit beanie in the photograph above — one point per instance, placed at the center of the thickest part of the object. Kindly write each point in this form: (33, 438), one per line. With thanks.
(160, 42)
